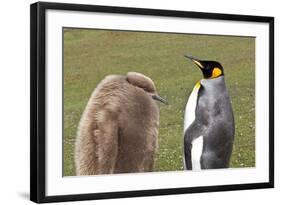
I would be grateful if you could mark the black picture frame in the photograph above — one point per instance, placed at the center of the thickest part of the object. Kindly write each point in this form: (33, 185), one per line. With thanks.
(38, 100)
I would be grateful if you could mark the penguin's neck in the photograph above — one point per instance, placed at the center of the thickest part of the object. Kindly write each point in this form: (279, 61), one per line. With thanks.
(213, 83)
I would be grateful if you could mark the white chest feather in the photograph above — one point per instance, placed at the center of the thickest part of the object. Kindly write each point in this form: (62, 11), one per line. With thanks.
(196, 152)
(189, 114)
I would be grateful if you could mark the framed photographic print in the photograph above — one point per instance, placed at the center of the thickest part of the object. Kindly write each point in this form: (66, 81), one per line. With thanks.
(129, 102)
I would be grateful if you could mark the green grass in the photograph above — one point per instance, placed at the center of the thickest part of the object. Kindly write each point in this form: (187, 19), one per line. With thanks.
(90, 55)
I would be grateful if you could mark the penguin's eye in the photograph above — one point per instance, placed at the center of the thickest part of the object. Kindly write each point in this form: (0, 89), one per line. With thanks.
(149, 90)
(216, 72)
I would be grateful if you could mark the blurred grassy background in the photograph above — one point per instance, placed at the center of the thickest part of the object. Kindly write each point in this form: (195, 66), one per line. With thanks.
(90, 55)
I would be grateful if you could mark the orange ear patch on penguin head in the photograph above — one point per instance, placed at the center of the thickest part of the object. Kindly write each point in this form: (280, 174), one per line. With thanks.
(216, 72)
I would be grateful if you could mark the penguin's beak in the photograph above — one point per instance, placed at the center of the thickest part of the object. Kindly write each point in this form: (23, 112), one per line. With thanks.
(160, 99)
(195, 61)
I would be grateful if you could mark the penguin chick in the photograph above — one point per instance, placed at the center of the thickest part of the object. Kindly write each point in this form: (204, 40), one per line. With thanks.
(208, 121)
(118, 131)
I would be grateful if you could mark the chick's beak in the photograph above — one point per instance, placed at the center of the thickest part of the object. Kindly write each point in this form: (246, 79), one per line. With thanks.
(160, 99)
(195, 61)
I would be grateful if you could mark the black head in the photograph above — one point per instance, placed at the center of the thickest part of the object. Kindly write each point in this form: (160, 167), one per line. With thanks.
(210, 69)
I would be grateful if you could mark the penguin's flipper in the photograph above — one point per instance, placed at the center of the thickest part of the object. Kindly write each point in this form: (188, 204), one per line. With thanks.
(106, 137)
(192, 132)
(187, 154)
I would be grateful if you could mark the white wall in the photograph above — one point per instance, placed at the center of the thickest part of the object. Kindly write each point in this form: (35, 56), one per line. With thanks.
(14, 101)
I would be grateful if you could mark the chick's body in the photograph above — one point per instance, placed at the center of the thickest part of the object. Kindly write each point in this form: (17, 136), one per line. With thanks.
(118, 130)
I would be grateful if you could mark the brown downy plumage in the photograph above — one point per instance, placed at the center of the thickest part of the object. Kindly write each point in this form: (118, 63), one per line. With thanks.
(118, 130)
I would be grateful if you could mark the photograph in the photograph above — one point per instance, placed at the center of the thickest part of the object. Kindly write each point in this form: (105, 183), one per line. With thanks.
(133, 102)
(141, 101)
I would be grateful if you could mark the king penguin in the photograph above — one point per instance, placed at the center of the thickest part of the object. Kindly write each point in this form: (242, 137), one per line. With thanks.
(118, 130)
(208, 120)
